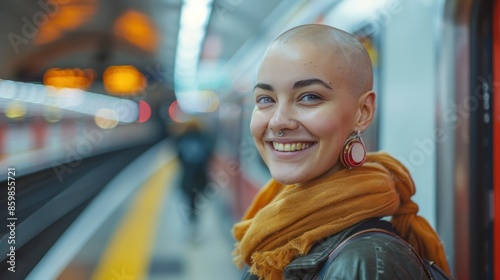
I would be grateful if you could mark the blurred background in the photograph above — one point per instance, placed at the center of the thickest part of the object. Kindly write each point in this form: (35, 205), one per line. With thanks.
(104, 104)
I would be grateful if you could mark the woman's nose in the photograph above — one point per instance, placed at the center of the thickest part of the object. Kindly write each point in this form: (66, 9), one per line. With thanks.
(282, 118)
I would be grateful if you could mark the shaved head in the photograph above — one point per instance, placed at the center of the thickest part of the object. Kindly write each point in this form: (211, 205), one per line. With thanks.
(351, 58)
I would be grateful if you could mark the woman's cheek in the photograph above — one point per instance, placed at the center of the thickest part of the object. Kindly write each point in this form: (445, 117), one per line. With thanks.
(253, 127)
(258, 122)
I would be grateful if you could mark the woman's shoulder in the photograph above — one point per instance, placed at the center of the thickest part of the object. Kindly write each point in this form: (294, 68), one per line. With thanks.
(307, 266)
(375, 256)
(370, 256)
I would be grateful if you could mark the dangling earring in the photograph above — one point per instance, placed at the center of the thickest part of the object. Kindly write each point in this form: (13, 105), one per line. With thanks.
(354, 152)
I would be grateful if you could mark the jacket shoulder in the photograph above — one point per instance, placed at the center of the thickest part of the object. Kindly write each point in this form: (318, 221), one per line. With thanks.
(376, 256)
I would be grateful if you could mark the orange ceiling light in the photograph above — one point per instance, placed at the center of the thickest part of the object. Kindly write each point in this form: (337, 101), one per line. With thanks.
(69, 78)
(56, 17)
(138, 29)
(123, 80)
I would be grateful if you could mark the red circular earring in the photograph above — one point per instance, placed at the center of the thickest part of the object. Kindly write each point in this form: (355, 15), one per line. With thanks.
(354, 152)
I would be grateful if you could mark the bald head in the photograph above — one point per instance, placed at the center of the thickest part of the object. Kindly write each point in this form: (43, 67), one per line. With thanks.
(351, 57)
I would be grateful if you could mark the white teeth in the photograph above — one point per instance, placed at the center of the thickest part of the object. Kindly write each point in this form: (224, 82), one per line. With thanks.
(290, 147)
(287, 147)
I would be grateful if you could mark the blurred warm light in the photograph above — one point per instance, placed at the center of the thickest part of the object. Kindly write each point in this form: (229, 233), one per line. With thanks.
(69, 78)
(176, 114)
(57, 17)
(15, 110)
(106, 118)
(138, 29)
(123, 80)
(144, 111)
(52, 114)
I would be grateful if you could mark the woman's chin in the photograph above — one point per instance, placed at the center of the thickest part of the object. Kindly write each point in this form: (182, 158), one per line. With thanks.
(286, 179)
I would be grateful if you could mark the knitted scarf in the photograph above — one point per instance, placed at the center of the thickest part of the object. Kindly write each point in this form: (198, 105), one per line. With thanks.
(285, 221)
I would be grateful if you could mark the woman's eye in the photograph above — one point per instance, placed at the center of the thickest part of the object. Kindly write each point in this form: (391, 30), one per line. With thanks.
(309, 97)
(264, 100)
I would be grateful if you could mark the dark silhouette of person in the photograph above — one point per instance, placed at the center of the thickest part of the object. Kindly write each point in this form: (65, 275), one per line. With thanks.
(194, 148)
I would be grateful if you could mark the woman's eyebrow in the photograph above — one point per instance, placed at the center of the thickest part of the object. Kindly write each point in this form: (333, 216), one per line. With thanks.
(263, 86)
(308, 82)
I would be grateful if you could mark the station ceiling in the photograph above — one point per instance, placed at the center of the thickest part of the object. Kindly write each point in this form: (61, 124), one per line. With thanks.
(44, 34)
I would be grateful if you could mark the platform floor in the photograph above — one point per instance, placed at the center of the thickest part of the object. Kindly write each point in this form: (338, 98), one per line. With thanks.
(146, 235)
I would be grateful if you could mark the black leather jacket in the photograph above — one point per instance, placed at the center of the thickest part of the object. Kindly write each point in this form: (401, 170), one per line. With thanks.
(371, 257)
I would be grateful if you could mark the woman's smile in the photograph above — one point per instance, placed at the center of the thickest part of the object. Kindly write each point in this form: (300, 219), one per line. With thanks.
(291, 147)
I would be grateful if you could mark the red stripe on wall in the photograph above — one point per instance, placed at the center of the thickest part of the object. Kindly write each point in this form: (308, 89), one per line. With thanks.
(496, 139)
(240, 189)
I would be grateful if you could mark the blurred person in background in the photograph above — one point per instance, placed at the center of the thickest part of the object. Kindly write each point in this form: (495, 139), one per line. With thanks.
(313, 99)
(194, 148)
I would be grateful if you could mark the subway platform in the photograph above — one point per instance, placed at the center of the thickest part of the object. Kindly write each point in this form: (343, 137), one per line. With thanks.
(137, 228)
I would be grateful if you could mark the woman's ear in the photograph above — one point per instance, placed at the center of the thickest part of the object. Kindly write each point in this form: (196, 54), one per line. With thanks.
(366, 110)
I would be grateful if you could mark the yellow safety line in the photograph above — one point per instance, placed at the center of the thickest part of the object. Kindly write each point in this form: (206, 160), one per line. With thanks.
(129, 251)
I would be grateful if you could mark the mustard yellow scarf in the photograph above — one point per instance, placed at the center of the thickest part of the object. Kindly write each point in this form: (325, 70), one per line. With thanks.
(285, 221)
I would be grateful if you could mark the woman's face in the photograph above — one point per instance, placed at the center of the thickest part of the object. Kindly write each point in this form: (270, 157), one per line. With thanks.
(302, 91)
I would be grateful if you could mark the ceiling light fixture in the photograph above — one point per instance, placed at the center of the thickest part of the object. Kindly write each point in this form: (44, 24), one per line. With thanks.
(193, 24)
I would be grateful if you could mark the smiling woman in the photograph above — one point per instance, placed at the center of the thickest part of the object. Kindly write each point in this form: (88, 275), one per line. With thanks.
(297, 93)
(313, 99)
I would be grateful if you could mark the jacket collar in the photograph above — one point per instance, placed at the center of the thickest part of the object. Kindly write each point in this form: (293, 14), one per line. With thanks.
(311, 263)
(308, 266)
